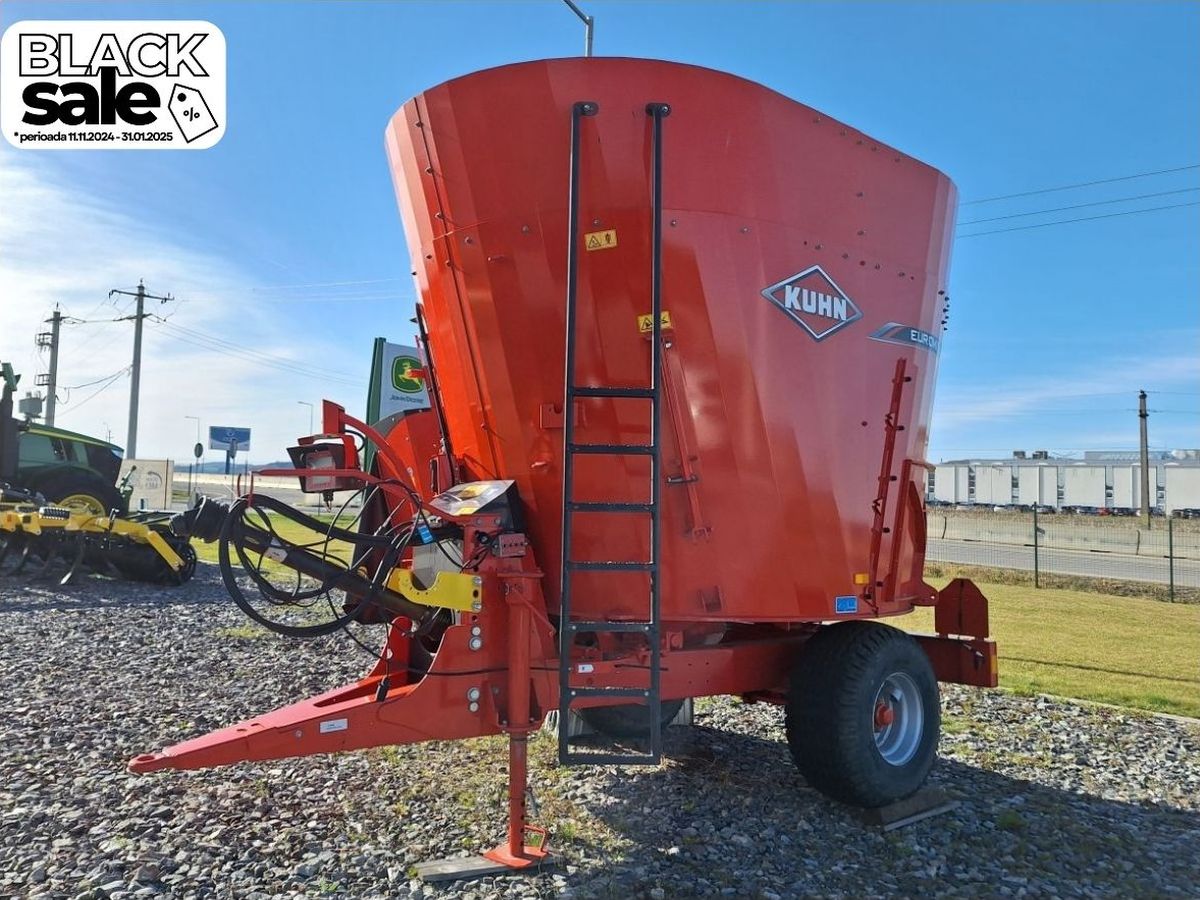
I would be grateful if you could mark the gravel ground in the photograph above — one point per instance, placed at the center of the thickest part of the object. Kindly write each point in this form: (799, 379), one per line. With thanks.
(1057, 798)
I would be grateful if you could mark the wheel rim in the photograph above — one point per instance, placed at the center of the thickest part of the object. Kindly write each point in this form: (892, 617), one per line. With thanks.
(898, 719)
(84, 503)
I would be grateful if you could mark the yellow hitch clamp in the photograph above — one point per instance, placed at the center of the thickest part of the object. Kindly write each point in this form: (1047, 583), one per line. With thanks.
(450, 590)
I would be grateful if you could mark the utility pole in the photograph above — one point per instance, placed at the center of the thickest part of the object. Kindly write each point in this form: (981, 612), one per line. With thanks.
(136, 371)
(50, 380)
(1143, 415)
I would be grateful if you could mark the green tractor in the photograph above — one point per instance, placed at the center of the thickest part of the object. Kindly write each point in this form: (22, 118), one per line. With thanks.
(68, 469)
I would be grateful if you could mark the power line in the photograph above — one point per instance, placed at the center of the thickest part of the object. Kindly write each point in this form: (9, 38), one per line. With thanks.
(250, 351)
(338, 298)
(1068, 187)
(1038, 212)
(75, 387)
(109, 383)
(1058, 396)
(1131, 212)
(323, 284)
(1055, 412)
(364, 295)
(278, 363)
(90, 339)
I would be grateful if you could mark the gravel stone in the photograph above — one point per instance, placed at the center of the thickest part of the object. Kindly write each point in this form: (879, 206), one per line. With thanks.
(1056, 798)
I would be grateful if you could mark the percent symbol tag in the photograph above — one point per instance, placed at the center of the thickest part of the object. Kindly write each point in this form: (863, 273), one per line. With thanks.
(191, 112)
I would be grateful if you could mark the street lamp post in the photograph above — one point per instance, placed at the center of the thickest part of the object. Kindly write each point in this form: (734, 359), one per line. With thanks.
(310, 414)
(589, 23)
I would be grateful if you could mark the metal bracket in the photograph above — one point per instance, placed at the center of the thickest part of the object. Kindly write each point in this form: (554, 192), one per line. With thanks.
(450, 590)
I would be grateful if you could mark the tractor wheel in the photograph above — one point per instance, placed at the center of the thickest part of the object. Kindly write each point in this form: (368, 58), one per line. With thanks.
(82, 492)
(188, 554)
(630, 720)
(862, 713)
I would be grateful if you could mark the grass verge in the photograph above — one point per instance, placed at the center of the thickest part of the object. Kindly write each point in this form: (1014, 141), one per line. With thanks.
(1110, 649)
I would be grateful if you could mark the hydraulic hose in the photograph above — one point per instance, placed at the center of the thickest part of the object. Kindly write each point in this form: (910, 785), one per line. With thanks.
(246, 537)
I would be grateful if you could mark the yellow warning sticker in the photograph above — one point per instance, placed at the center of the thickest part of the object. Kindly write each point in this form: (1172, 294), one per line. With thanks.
(646, 322)
(600, 240)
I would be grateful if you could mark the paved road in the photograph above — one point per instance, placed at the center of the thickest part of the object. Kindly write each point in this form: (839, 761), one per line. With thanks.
(1066, 562)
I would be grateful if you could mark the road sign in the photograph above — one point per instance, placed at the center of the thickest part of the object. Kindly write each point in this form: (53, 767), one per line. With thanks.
(231, 440)
(198, 450)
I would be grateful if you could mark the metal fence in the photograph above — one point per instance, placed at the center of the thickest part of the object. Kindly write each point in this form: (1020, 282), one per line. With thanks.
(1116, 548)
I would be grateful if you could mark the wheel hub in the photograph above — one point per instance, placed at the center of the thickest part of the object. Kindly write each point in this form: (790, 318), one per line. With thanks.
(84, 503)
(883, 716)
(899, 719)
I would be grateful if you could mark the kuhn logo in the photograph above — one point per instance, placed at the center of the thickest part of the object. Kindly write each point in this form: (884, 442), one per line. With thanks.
(813, 301)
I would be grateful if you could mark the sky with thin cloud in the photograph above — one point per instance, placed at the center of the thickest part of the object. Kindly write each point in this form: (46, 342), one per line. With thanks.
(284, 249)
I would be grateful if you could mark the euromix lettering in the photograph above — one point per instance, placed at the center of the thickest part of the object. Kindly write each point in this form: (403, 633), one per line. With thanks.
(114, 85)
(906, 335)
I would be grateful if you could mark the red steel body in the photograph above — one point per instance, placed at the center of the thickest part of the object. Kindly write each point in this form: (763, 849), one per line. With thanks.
(774, 438)
(803, 269)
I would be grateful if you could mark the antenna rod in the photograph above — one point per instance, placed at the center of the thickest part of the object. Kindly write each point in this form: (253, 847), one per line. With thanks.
(589, 23)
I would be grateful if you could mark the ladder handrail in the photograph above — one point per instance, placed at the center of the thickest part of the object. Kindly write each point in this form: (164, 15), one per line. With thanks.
(657, 112)
(565, 637)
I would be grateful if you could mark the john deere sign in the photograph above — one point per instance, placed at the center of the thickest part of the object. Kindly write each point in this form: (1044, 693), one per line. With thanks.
(402, 366)
(393, 386)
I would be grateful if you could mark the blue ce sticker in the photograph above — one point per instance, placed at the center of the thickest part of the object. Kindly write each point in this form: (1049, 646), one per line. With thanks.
(845, 606)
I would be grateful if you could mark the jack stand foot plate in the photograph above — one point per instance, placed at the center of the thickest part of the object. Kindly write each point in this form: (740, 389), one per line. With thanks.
(924, 804)
(494, 862)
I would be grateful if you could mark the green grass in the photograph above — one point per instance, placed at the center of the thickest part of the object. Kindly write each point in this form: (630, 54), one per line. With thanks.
(1010, 820)
(1121, 650)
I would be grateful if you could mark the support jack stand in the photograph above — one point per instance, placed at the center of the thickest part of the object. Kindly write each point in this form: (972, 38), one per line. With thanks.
(533, 858)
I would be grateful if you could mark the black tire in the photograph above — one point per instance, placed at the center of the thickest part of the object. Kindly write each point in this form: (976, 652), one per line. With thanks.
(188, 554)
(75, 483)
(629, 720)
(833, 717)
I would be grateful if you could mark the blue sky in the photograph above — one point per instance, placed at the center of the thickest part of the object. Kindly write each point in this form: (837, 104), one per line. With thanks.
(1054, 329)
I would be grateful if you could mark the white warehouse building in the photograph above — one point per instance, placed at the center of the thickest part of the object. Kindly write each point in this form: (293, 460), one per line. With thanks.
(1101, 480)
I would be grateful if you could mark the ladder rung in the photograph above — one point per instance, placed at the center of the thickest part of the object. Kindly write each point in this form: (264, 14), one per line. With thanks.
(645, 393)
(610, 565)
(590, 506)
(636, 693)
(613, 449)
(631, 627)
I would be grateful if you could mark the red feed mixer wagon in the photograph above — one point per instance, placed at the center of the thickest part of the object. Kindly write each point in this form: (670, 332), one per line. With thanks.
(681, 335)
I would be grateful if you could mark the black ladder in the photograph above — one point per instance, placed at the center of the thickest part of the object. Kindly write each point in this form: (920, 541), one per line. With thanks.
(650, 695)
